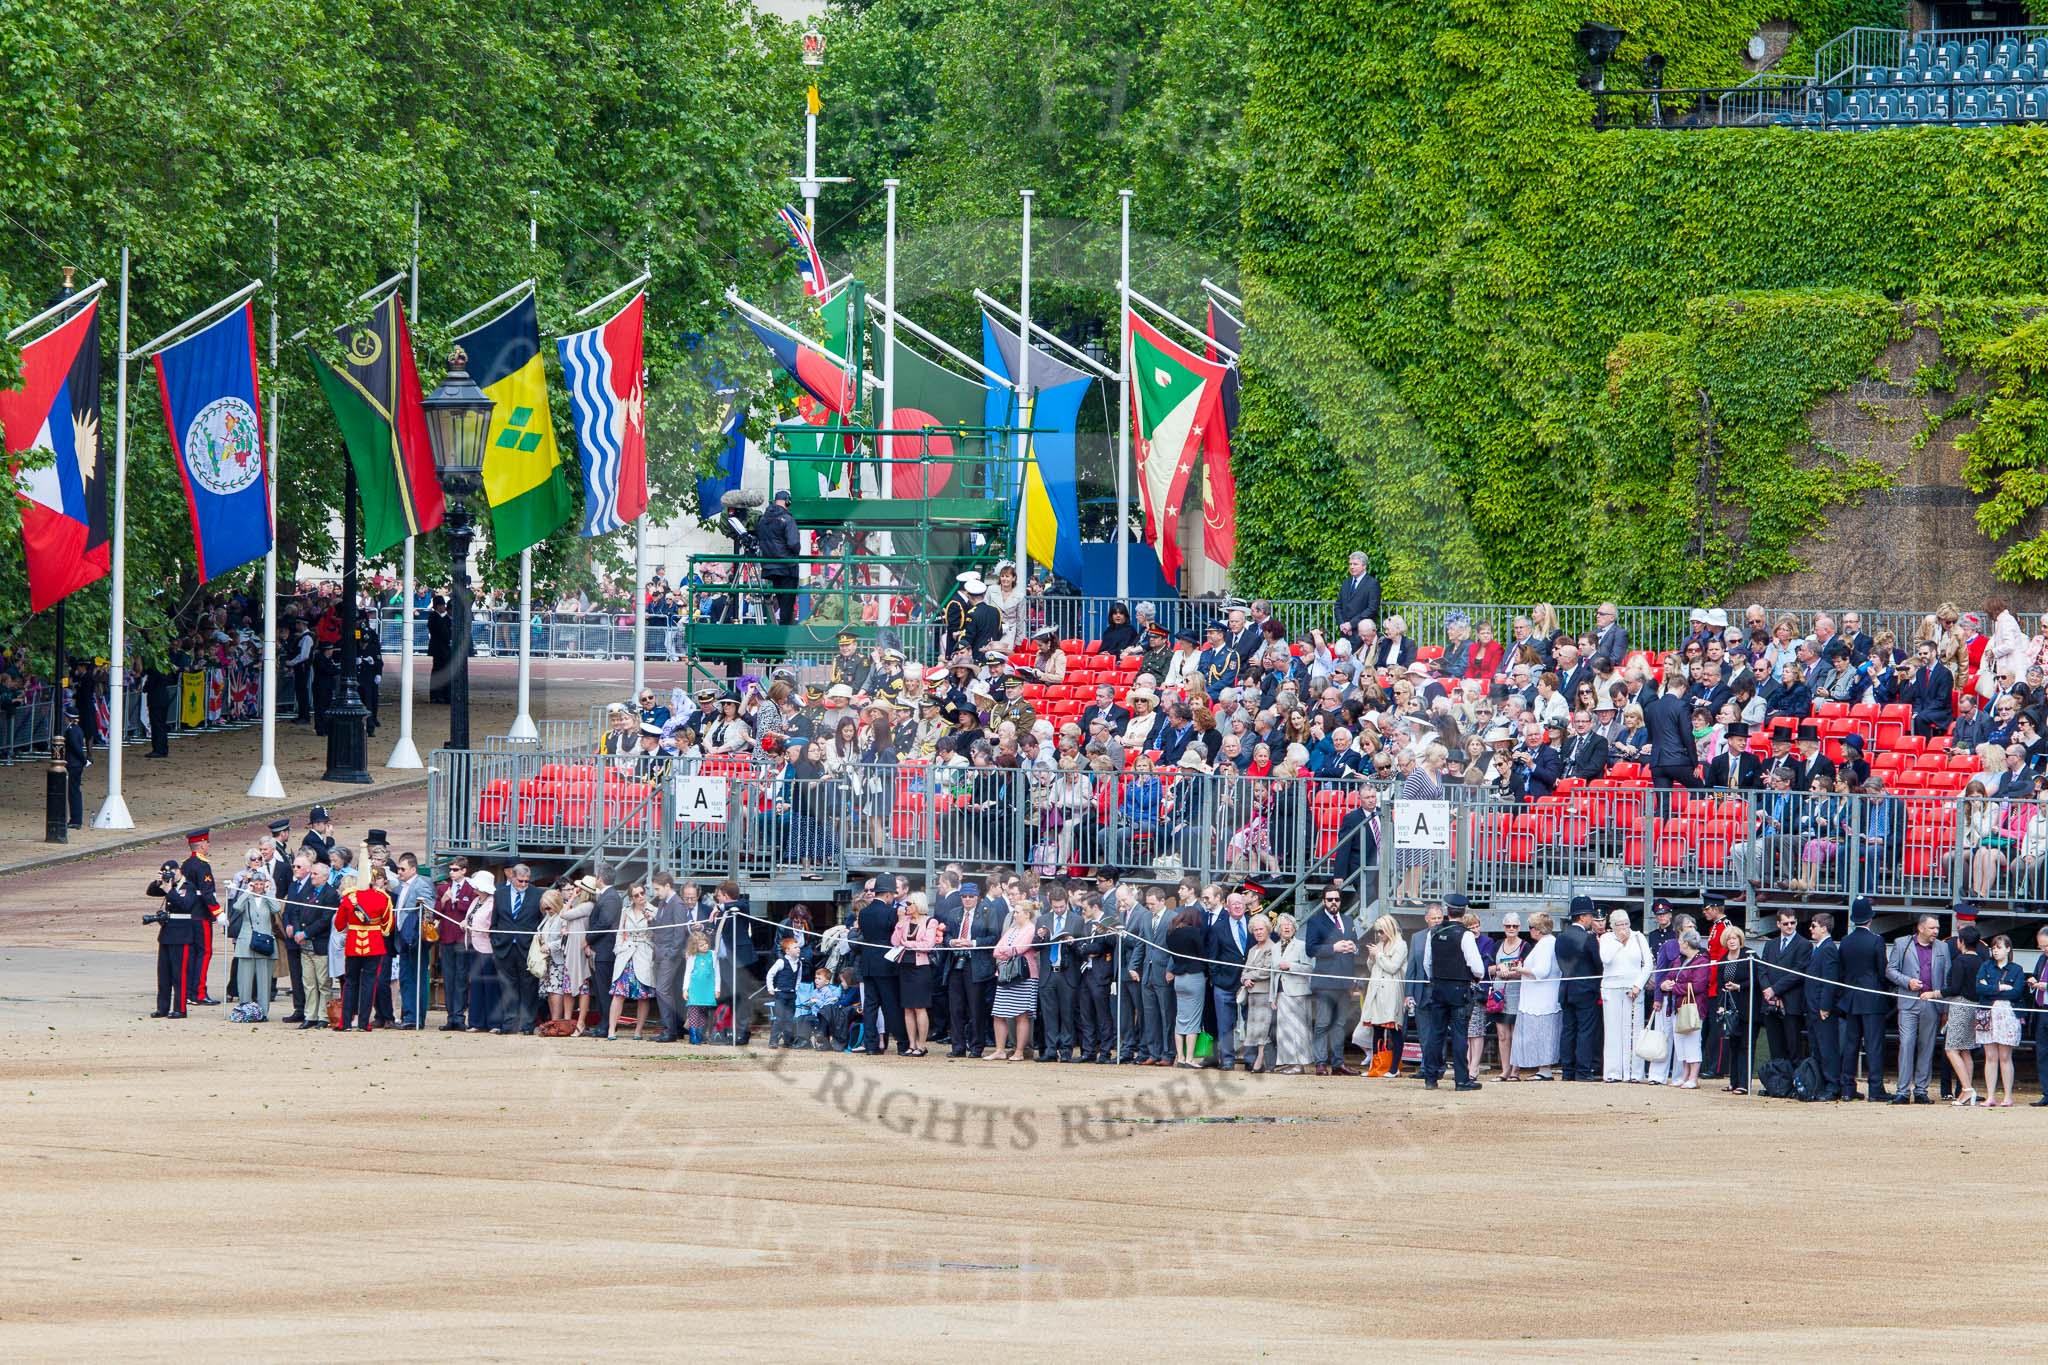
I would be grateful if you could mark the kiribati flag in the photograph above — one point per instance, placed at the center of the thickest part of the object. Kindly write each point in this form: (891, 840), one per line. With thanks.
(54, 417)
(208, 382)
(608, 404)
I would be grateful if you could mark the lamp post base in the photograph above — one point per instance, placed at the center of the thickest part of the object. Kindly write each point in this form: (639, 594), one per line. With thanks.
(348, 743)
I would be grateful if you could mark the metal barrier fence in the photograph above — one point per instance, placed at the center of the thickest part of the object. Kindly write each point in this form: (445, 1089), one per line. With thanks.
(596, 636)
(25, 727)
(1619, 841)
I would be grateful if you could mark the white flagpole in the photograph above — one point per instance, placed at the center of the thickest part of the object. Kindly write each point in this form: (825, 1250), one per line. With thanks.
(1123, 407)
(522, 723)
(886, 450)
(267, 784)
(113, 813)
(639, 605)
(405, 754)
(1024, 403)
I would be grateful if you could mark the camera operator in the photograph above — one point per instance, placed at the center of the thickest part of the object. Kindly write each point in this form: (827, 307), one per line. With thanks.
(177, 936)
(781, 543)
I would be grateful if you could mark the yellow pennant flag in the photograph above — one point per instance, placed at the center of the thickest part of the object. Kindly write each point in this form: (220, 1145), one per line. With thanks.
(812, 104)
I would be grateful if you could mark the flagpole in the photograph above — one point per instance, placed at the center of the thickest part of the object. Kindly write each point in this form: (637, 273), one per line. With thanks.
(1123, 407)
(267, 784)
(1024, 403)
(522, 723)
(885, 446)
(639, 605)
(406, 754)
(113, 813)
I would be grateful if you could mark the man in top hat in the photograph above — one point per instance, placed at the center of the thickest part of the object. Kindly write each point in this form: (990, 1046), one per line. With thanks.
(198, 874)
(1868, 1000)
(1735, 768)
(1815, 771)
(848, 667)
(1578, 962)
(1781, 758)
(781, 544)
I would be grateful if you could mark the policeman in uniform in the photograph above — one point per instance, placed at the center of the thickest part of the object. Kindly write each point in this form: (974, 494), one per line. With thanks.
(177, 928)
(369, 669)
(159, 689)
(76, 760)
(848, 666)
(1453, 970)
(319, 835)
(198, 874)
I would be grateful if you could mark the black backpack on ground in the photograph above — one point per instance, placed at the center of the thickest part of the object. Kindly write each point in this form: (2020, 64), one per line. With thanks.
(1776, 1078)
(1806, 1080)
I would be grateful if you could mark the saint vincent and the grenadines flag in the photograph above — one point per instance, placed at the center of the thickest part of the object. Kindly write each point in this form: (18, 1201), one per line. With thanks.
(524, 482)
(375, 395)
(54, 418)
(1176, 415)
(1053, 518)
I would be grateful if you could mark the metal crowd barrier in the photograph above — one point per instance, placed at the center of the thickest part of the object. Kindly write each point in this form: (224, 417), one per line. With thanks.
(1618, 841)
(25, 730)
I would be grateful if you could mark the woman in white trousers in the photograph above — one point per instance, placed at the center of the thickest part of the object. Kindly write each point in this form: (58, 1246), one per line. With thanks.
(1624, 968)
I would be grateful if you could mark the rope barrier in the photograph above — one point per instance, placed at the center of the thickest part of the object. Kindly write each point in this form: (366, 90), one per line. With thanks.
(1118, 931)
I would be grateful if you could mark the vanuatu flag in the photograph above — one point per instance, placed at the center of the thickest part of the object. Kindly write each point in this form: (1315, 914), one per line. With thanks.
(523, 477)
(814, 463)
(376, 399)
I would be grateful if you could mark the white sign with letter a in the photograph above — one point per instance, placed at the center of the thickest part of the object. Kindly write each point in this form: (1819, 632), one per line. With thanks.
(700, 800)
(1423, 825)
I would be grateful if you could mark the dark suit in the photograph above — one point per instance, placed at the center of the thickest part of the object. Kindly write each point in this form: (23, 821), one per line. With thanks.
(1059, 981)
(1538, 777)
(1931, 692)
(1814, 774)
(598, 933)
(1222, 945)
(1117, 716)
(1824, 962)
(1392, 653)
(515, 916)
(1332, 984)
(1096, 949)
(881, 995)
(440, 651)
(1358, 848)
(1358, 598)
(1736, 770)
(1784, 1026)
(970, 980)
(1673, 760)
(1578, 955)
(1864, 1010)
(1585, 756)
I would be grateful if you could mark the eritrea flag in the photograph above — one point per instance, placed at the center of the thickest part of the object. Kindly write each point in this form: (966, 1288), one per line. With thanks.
(376, 400)
(55, 417)
(1176, 409)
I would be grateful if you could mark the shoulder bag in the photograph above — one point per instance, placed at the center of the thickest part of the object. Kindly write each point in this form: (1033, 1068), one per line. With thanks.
(1688, 1017)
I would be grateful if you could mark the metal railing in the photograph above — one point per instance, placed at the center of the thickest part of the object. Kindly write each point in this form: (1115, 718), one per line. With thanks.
(1619, 841)
(1859, 50)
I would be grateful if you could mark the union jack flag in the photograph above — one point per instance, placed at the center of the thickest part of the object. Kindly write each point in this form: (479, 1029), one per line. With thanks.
(808, 263)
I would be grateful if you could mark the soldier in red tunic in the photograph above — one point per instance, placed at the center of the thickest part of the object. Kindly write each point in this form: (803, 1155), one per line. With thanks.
(365, 917)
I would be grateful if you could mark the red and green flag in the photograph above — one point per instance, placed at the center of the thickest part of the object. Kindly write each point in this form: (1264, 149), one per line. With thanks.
(375, 394)
(1176, 414)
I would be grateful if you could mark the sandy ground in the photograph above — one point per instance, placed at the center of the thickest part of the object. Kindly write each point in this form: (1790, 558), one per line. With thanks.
(199, 1189)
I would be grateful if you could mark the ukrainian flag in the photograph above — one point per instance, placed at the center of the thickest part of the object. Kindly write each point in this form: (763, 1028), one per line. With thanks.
(1053, 409)
(524, 481)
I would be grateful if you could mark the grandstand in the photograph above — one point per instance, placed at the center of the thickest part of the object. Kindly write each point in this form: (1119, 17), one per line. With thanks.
(1615, 836)
(1863, 79)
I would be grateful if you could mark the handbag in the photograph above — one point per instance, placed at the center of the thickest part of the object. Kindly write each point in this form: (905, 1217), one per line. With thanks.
(1496, 1000)
(261, 944)
(536, 957)
(1652, 1046)
(1688, 1018)
(1382, 1062)
(1011, 970)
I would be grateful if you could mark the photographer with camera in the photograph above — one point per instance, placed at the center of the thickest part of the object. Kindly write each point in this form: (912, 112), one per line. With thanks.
(177, 936)
(781, 543)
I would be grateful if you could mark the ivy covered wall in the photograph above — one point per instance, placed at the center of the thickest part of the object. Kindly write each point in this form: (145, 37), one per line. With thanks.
(1518, 359)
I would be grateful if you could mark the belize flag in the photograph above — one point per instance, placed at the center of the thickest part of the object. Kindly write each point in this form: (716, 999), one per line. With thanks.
(208, 383)
(55, 416)
(608, 404)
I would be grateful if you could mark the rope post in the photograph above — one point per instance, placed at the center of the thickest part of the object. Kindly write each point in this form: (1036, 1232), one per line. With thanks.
(1749, 1040)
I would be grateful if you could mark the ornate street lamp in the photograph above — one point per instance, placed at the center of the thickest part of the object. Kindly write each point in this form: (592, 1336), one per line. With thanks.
(458, 419)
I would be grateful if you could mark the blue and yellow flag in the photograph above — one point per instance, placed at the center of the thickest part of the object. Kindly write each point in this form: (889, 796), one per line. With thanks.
(1057, 391)
(524, 481)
